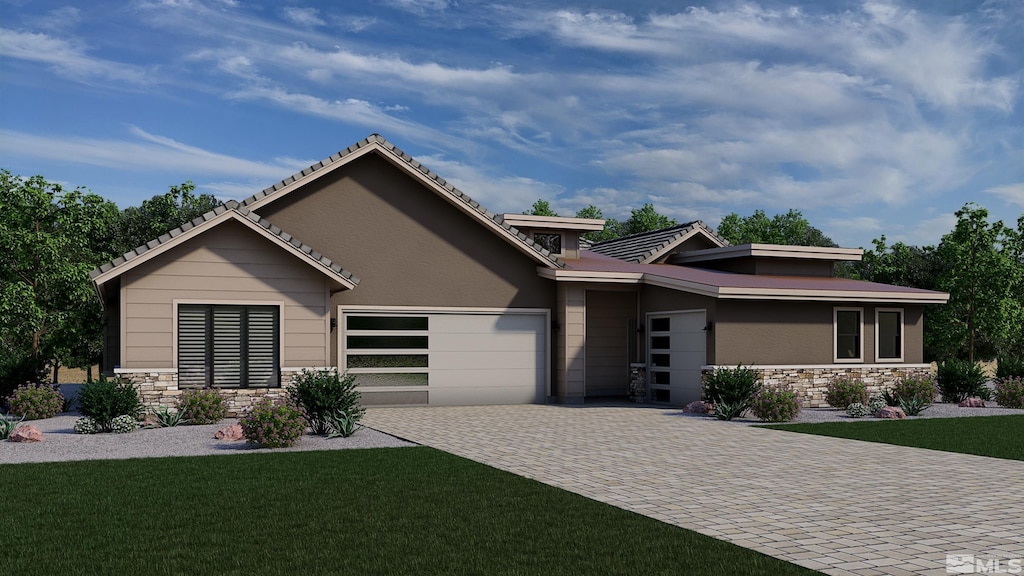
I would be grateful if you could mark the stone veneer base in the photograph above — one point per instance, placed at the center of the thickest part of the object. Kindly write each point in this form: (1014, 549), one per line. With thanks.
(810, 382)
(160, 389)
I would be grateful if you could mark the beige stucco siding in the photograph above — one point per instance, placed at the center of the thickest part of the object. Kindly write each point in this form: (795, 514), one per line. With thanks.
(226, 264)
(408, 246)
(795, 333)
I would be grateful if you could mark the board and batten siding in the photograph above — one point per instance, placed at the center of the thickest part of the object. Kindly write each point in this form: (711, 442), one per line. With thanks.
(228, 264)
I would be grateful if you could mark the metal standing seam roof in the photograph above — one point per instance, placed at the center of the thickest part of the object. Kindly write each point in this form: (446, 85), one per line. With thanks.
(231, 205)
(643, 245)
(378, 140)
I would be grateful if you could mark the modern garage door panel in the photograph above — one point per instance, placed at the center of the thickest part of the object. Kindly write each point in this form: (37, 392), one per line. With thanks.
(484, 342)
(487, 360)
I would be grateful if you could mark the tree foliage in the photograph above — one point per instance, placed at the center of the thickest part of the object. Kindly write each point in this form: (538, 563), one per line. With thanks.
(983, 272)
(645, 219)
(541, 208)
(790, 229)
(160, 214)
(49, 241)
(899, 264)
(611, 225)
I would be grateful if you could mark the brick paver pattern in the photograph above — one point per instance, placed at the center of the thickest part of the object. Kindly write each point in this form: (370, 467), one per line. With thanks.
(834, 505)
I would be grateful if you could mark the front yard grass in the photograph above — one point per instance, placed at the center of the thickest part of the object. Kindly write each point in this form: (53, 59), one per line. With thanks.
(377, 511)
(995, 436)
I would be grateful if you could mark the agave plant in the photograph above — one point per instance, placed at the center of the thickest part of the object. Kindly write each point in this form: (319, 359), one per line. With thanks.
(341, 424)
(164, 418)
(8, 424)
(914, 405)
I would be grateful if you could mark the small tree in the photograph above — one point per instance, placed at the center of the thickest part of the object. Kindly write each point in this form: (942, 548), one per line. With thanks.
(645, 219)
(541, 208)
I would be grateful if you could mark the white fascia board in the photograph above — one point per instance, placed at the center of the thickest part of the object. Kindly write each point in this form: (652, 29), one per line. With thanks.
(563, 275)
(774, 251)
(553, 222)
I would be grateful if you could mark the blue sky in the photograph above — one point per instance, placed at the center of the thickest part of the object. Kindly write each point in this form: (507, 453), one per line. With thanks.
(871, 117)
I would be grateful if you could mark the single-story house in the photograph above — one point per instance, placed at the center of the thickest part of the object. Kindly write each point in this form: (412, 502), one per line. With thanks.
(371, 263)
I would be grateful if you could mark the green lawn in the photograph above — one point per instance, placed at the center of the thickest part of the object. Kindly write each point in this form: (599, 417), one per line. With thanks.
(996, 436)
(383, 511)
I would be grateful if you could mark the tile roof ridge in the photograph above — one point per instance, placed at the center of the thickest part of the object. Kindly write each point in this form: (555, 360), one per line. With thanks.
(647, 233)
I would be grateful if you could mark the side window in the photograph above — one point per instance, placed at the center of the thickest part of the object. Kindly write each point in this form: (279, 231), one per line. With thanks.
(848, 331)
(228, 346)
(889, 334)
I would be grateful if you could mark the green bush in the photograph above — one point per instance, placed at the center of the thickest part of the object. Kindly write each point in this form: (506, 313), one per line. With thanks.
(105, 399)
(876, 403)
(19, 367)
(323, 393)
(85, 425)
(1009, 392)
(914, 405)
(123, 424)
(1010, 367)
(843, 391)
(36, 401)
(960, 380)
(775, 403)
(341, 424)
(273, 424)
(922, 387)
(163, 417)
(7, 425)
(857, 410)
(202, 406)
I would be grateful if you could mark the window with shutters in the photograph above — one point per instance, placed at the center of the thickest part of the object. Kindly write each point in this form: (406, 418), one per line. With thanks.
(228, 346)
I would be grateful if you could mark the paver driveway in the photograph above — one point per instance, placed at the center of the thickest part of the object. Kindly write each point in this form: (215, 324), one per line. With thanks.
(839, 506)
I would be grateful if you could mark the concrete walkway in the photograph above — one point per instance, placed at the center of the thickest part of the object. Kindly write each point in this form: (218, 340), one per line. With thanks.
(838, 506)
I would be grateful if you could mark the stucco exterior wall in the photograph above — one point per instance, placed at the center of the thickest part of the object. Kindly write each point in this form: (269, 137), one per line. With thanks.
(229, 263)
(795, 333)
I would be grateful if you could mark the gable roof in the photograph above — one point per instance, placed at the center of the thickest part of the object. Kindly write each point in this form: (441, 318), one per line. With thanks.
(647, 247)
(229, 211)
(591, 267)
(377, 144)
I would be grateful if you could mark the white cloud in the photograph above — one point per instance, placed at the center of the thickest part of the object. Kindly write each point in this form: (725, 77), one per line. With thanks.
(421, 7)
(68, 59)
(1010, 193)
(303, 16)
(146, 153)
(927, 232)
(500, 194)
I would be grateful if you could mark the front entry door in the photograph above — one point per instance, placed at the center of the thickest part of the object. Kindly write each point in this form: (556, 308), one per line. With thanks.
(676, 349)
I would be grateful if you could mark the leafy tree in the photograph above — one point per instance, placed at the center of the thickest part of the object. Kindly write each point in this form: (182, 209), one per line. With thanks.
(790, 229)
(611, 225)
(541, 208)
(160, 214)
(49, 241)
(983, 273)
(899, 264)
(645, 219)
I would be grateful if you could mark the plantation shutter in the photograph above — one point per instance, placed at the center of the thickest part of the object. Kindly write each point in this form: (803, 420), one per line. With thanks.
(192, 341)
(262, 342)
(227, 346)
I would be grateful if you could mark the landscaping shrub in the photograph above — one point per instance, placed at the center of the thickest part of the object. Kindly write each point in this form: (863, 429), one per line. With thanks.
(322, 394)
(914, 405)
(18, 367)
(105, 399)
(85, 425)
(36, 401)
(922, 387)
(1010, 367)
(731, 390)
(843, 391)
(163, 417)
(202, 406)
(341, 424)
(961, 379)
(7, 425)
(775, 403)
(273, 424)
(857, 410)
(123, 424)
(876, 403)
(1009, 392)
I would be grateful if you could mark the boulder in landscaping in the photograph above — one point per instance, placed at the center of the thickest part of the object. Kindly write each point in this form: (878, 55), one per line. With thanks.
(891, 412)
(230, 433)
(697, 407)
(972, 403)
(26, 433)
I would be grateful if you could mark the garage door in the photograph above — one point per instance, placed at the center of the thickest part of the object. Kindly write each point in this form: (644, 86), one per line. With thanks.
(456, 357)
(676, 349)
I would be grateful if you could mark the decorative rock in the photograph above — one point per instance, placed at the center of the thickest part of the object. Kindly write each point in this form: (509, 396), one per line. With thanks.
(230, 433)
(892, 412)
(972, 403)
(697, 407)
(26, 433)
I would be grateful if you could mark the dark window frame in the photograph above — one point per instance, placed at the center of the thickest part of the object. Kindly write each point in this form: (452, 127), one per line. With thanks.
(209, 366)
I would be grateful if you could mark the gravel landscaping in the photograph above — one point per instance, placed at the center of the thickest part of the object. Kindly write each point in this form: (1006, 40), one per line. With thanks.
(62, 444)
(811, 415)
